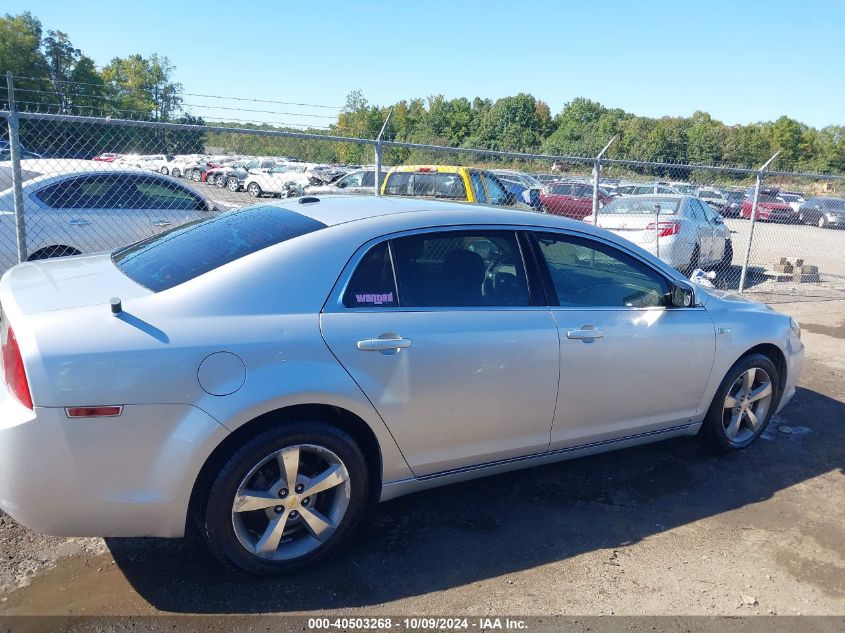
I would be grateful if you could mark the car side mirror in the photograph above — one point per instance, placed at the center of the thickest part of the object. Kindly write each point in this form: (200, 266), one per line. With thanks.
(681, 295)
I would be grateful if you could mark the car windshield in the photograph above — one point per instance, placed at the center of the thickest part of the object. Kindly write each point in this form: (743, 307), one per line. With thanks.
(689, 189)
(642, 206)
(180, 254)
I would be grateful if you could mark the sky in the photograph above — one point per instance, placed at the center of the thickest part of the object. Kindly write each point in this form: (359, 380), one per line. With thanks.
(742, 61)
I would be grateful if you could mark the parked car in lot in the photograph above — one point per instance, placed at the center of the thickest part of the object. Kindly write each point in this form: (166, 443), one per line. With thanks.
(683, 188)
(106, 157)
(571, 199)
(794, 200)
(826, 213)
(682, 231)
(522, 188)
(284, 179)
(268, 373)
(80, 206)
(714, 197)
(446, 183)
(769, 208)
(735, 199)
(237, 175)
(360, 181)
(217, 175)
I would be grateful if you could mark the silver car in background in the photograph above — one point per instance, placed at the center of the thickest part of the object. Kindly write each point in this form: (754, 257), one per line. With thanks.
(682, 231)
(269, 371)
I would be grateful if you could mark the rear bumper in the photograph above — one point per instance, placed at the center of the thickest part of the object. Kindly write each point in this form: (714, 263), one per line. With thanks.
(130, 475)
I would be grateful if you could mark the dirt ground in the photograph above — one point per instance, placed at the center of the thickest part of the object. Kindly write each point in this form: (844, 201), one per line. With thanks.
(668, 528)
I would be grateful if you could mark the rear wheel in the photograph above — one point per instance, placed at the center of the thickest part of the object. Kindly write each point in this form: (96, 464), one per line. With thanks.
(822, 223)
(164, 171)
(728, 256)
(220, 181)
(744, 403)
(196, 175)
(232, 184)
(285, 499)
(254, 190)
(693, 260)
(53, 251)
(176, 173)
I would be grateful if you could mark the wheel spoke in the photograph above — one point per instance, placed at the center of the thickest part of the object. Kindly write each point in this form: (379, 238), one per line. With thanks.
(289, 466)
(752, 419)
(329, 478)
(250, 500)
(730, 402)
(269, 541)
(318, 525)
(760, 392)
(748, 379)
(733, 427)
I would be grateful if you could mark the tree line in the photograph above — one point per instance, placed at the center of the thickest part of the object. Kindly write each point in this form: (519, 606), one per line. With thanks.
(53, 75)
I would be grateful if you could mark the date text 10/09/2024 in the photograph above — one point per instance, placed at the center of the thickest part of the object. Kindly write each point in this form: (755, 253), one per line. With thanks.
(422, 623)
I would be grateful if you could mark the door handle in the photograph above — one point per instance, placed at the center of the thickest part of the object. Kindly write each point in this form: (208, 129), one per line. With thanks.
(162, 223)
(78, 222)
(587, 332)
(383, 344)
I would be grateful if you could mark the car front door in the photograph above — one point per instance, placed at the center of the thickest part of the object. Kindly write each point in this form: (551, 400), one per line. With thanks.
(629, 364)
(457, 358)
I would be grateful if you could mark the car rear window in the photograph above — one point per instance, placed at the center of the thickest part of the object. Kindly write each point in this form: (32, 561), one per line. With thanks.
(426, 184)
(642, 206)
(180, 254)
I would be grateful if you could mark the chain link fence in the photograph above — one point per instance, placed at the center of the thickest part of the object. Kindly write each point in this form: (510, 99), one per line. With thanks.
(76, 184)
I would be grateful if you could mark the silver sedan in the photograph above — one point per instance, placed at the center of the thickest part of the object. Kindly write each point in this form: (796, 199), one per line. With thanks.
(270, 371)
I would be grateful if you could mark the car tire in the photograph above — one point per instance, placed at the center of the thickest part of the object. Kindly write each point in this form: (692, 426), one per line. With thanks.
(49, 252)
(164, 171)
(176, 173)
(718, 426)
(233, 185)
(822, 222)
(693, 260)
(254, 190)
(727, 256)
(220, 181)
(196, 176)
(234, 535)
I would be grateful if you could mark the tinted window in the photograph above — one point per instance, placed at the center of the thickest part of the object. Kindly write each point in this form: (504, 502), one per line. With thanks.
(590, 274)
(190, 250)
(155, 193)
(477, 187)
(369, 179)
(561, 190)
(352, 180)
(460, 268)
(372, 283)
(495, 190)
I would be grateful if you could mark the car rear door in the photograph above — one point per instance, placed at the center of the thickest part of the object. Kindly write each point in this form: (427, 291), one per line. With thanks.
(449, 346)
(630, 365)
(165, 203)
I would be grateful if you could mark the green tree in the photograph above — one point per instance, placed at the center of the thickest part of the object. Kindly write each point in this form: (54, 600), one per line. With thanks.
(20, 54)
(143, 87)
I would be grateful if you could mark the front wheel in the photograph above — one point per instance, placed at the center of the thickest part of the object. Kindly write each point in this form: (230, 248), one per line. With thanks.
(176, 173)
(220, 181)
(254, 190)
(744, 403)
(822, 222)
(164, 171)
(285, 499)
(233, 185)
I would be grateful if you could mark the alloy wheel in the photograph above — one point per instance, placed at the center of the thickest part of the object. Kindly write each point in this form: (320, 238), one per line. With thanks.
(291, 502)
(747, 405)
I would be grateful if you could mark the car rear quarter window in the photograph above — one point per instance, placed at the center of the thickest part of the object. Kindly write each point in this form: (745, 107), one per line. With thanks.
(373, 284)
(188, 251)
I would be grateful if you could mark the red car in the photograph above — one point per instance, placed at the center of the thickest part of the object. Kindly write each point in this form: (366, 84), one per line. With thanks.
(769, 208)
(571, 199)
(106, 157)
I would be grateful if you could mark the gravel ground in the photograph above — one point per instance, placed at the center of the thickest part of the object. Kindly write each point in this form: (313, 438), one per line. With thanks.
(662, 529)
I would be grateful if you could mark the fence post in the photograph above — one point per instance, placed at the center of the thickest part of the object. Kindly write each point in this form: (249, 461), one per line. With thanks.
(17, 181)
(378, 153)
(759, 181)
(596, 180)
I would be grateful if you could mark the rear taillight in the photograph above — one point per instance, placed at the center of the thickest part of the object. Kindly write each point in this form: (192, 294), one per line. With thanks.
(13, 371)
(664, 229)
